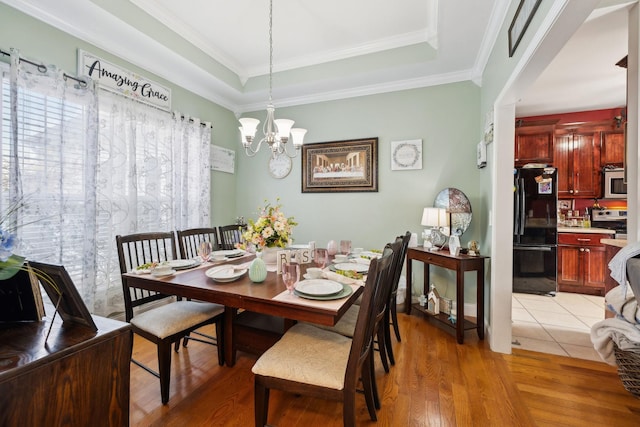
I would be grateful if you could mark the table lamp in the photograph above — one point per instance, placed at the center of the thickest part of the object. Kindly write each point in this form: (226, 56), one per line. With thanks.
(435, 218)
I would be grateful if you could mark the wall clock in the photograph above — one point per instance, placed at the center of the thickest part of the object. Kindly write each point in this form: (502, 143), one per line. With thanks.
(280, 165)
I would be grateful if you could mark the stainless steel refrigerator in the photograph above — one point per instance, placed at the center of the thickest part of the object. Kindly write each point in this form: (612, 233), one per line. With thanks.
(535, 233)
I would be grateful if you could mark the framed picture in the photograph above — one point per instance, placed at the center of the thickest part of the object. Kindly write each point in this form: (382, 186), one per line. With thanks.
(70, 305)
(521, 20)
(340, 166)
(223, 159)
(406, 155)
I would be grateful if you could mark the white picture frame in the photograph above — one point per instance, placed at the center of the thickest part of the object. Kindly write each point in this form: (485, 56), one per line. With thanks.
(223, 159)
(406, 155)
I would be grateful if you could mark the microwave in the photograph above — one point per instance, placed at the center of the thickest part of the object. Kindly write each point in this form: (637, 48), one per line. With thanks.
(615, 186)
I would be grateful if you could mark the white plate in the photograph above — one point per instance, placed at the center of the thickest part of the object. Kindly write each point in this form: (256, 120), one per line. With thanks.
(351, 266)
(369, 254)
(225, 273)
(229, 253)
(162, 273)
(318, 287)
(179, 264)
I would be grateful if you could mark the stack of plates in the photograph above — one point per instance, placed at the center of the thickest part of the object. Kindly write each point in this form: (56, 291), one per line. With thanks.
(182, 264)
(225, 273)
(321, 289)
(230, 253)
(350, 266)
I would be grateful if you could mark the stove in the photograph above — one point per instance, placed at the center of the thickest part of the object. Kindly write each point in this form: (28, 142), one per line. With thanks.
(612, 219)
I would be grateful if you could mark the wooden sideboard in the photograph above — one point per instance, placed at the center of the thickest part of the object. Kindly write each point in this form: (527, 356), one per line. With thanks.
(77, 378)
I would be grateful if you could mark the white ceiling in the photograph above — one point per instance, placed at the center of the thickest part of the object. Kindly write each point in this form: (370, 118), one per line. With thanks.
(332, 49)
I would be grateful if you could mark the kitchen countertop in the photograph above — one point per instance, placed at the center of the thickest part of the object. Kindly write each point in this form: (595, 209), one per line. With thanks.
(585, 230)
(619, 243)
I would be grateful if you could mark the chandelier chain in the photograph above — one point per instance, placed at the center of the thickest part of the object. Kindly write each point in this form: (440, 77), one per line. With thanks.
(270, 49)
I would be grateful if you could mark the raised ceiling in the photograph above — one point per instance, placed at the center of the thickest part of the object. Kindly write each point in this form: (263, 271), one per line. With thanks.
(324, 50)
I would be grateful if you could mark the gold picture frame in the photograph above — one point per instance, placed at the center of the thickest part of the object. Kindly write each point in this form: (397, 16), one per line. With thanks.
(340, 166)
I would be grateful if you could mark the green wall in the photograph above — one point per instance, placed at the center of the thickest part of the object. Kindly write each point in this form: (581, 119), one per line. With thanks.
(44, 43)
(444, 117)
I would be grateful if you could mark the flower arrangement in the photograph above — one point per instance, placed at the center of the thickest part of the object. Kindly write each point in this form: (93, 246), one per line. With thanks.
(10, 263)
(271, 229)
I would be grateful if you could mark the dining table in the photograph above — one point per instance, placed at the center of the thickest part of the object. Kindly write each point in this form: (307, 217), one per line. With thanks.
(269, 297)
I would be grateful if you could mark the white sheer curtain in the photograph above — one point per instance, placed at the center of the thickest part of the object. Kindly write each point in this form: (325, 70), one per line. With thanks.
(153, 175)
(88, 176)
(192, 145)
(49, 152)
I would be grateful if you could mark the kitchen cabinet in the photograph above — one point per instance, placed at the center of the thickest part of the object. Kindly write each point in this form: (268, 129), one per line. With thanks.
(582, 263)
(577, 158)
(534, 144)
(612, 152)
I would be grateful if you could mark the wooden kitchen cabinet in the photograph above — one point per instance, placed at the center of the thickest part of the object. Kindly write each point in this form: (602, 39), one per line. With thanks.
(534, 144)
(612, 152)
(577, 158)
(581, 263)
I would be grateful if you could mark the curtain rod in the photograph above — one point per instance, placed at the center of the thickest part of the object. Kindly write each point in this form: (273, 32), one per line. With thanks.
(43, 69)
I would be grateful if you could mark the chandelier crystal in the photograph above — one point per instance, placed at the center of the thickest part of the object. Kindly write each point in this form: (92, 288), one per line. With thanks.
(277, 132)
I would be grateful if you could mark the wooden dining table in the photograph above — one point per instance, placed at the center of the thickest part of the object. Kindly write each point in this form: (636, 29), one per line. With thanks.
(269, 297)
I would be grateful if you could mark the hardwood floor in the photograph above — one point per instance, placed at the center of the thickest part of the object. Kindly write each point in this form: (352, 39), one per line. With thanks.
(434, 382)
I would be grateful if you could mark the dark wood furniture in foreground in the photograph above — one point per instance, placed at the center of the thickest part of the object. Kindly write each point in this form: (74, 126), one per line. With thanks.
(241, 294)
(78, 378)
(459, 264)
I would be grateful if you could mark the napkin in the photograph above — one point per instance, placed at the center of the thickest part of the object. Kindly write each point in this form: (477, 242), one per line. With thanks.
(342, 279)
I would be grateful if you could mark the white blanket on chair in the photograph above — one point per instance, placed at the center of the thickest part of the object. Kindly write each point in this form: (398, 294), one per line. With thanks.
(618, 264)
(605, 332)
(621, 301)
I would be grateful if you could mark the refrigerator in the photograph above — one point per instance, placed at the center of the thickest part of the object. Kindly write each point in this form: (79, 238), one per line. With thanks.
(535, 231)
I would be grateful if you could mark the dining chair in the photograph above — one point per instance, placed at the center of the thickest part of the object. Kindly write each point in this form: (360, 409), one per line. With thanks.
(230, 235)
(391, 315)
(164, 324)
(347, 323)
(189, 240)
(312, 361)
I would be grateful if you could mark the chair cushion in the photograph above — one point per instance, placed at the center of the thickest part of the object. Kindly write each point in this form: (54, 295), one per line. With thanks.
(308, 355)
(177, 316)
(347, 323)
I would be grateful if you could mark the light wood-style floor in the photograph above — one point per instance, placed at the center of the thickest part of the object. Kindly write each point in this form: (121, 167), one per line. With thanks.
(435, 382)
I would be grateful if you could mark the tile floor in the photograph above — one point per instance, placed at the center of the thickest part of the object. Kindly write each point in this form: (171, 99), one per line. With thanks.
(556, 325)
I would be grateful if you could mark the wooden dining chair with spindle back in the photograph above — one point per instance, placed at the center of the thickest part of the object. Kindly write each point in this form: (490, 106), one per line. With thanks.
(189, 240)
(164, 324)
(230, 235)
(391, 315)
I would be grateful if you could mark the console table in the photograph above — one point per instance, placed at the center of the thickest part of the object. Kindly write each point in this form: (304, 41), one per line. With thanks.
(459, 264)
(78, 377)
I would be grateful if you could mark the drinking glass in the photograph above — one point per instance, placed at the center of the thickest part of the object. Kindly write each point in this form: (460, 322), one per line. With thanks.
(345, 247)
(204, 251)
(320, 257)
(290, 275)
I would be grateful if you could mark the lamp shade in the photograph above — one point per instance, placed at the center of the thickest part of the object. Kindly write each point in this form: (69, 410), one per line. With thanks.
(249, 126)
(430, 217)
(434, 217)
(284, 127)
(297, 134)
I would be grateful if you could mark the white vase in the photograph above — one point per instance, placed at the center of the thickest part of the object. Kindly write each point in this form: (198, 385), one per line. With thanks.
(454, 245)
(270, 255)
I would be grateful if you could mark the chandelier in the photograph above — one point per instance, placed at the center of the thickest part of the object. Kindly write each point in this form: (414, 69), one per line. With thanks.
(276, 131)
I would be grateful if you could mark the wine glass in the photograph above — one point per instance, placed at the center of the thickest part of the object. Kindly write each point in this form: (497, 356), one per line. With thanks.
(204, 251)
(290, 275)
(320, 257)
(345, 247)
